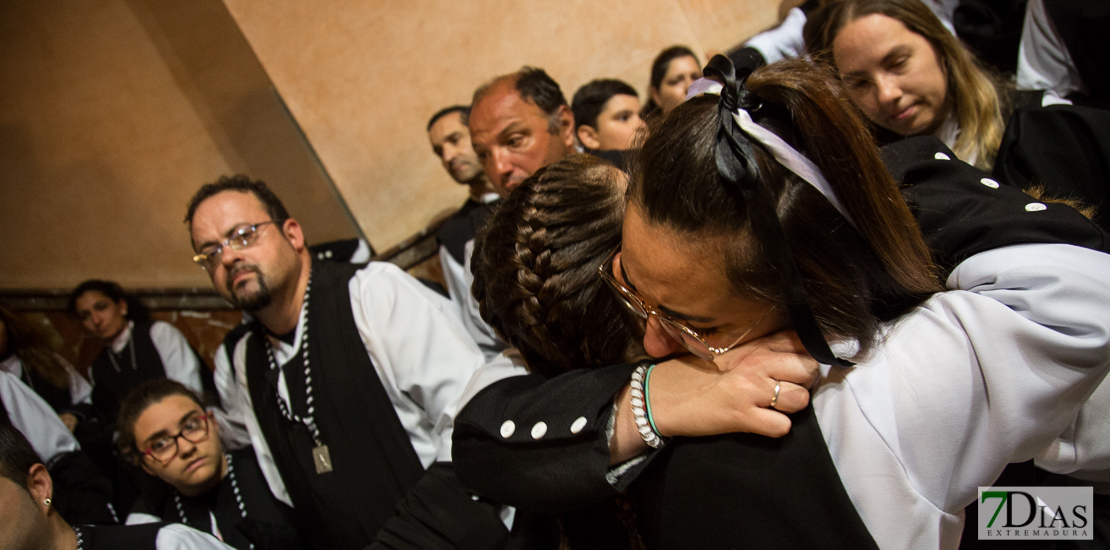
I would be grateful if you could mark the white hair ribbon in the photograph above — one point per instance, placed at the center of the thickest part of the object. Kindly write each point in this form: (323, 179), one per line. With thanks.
(791, 159)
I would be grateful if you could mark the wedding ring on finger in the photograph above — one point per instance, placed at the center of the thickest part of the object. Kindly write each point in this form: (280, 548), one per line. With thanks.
(775, 398)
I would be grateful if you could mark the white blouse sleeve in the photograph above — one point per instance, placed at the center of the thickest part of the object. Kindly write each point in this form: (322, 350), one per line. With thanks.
(177, 355)
(233, 427)
(420, 349)
(35, 419)
(1043, 59)
(1056, 286)
(180, 537)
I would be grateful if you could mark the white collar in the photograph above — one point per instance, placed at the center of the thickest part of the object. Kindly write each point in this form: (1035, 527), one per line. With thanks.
(124, 336)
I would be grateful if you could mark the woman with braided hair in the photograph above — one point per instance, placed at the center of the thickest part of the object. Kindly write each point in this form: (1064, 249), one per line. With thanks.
(768, 210)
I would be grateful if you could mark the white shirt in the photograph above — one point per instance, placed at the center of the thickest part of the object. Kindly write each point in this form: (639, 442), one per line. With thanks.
(80, 391)
(1043, 59)
(420, 350)
(35, 419)
(460, 279)
(182, 537)
(967, 383)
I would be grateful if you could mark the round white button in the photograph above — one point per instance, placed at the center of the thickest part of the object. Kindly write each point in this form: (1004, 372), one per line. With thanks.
(941, 156)
(989, 183)
(1035, 207)
(539, 430)
(578, 425)
(507, 429)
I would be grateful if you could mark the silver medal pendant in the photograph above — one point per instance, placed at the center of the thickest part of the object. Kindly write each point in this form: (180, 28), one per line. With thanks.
(322, 459)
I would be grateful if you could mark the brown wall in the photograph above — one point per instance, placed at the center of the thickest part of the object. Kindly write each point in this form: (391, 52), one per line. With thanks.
(112, 113)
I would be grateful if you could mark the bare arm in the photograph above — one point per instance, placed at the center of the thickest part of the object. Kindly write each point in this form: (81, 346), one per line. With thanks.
(691, 397)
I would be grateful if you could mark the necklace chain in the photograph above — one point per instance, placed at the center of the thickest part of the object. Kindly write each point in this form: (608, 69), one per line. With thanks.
(130, 344)
(309, 419)
(80, 538)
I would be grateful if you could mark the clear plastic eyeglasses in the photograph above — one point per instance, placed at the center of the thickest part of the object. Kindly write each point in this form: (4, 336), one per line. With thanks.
(239, 239)
(690, 339)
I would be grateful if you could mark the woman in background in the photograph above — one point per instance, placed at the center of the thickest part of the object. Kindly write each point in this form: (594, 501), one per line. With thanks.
(911, 77)
(135, 348)
(672, 72)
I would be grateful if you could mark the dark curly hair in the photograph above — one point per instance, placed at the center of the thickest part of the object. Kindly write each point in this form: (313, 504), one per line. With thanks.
(535, 268)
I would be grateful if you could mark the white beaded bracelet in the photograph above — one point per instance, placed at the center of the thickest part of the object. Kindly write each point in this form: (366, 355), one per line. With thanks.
(650, 436)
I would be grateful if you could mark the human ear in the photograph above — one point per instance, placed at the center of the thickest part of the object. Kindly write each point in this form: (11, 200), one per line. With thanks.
(566, 126)
(293, 233)
(40, 486)
(588, 137)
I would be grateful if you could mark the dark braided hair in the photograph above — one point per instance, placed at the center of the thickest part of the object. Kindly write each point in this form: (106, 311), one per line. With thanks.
(535, 268)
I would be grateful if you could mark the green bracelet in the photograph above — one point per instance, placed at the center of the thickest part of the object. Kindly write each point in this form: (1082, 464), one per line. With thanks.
(647, 400)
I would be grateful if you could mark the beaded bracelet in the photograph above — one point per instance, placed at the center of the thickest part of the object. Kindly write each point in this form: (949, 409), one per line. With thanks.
(647, 432)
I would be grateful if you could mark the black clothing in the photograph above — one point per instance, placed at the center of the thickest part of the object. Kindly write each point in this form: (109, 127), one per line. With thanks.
(1082, 26)
(462, 226)
(1064, 148)
(268, 524)
(112, 381)
(695, 493)
(131, 537)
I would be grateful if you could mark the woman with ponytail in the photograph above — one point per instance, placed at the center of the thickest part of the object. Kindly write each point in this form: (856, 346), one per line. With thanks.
(767, 210)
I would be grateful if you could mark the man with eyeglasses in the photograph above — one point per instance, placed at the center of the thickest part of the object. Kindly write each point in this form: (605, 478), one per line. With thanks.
(345, 379)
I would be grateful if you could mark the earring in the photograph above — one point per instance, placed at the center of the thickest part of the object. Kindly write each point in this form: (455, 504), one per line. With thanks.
(47, 501)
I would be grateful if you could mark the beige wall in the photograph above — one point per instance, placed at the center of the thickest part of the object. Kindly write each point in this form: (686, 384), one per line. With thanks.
(112, 113)
(362, 77)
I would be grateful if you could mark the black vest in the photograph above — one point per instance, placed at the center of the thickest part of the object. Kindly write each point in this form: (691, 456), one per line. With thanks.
(373, 459)
(111, 386)
(269, 522)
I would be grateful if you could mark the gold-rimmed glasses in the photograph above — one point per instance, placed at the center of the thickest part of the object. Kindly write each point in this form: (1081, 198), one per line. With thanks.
(240, 238)
(194, 430)
(689, 338)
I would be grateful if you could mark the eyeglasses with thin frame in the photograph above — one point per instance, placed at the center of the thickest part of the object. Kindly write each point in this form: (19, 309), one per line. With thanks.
(194, 430)
(240, 238)
(690, 339)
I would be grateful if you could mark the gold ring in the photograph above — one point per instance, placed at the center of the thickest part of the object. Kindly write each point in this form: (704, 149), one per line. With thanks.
(775, 398)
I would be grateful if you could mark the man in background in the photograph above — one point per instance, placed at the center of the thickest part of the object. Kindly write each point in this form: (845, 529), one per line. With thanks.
(450, 139)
